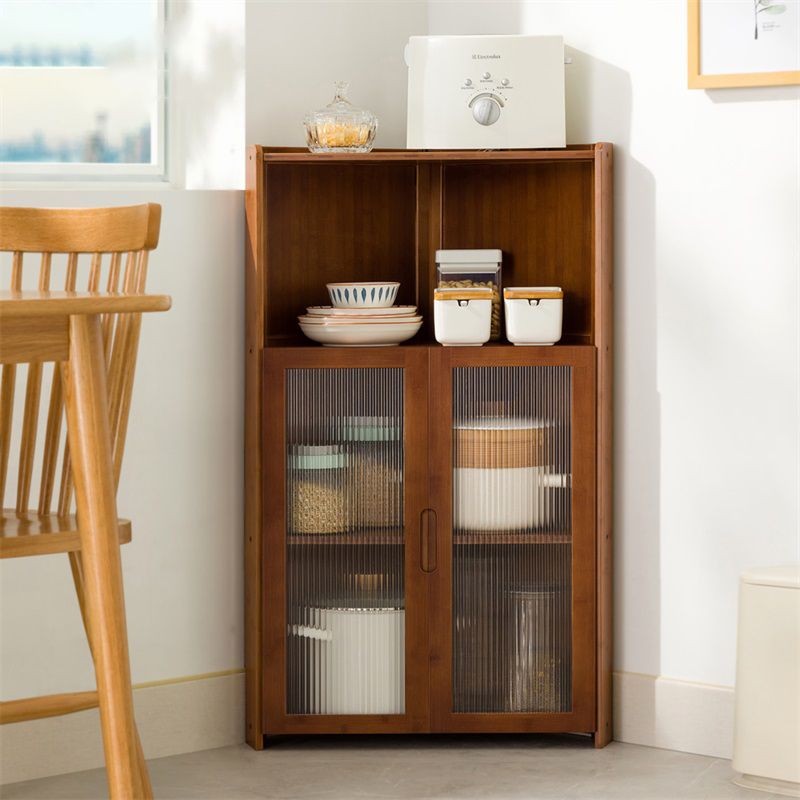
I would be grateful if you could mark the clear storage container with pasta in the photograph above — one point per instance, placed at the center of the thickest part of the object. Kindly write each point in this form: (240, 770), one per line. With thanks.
(472, 269)
(318, 502)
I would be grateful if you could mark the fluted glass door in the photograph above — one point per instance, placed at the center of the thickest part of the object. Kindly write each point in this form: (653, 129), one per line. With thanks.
(512, 539)
(345, 593)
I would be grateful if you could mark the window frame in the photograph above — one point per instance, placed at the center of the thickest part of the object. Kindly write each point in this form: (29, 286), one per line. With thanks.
(86, 171)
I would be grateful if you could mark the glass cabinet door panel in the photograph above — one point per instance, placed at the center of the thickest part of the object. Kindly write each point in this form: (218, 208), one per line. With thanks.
(345, 595)
(512, 554)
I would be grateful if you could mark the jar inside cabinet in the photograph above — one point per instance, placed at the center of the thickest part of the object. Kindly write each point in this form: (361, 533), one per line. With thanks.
(471, 269)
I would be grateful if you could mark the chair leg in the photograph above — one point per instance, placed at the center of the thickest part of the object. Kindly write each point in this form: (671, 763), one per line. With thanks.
(90, 452)
(144, 789)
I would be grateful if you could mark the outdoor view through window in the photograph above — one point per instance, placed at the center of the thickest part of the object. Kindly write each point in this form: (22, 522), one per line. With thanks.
(81, 84)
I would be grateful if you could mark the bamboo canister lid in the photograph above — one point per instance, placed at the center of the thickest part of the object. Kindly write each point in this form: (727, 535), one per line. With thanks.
(463, 294)
(533, 293)
(499, 448)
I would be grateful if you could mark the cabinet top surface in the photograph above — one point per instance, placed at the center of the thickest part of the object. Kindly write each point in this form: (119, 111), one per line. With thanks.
(573, 152)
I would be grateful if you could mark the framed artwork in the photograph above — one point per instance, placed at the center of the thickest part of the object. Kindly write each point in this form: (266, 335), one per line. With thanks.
(743, 43)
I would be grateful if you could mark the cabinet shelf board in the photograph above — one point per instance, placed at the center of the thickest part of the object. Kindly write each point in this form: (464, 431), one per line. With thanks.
(301, 342)
(293, 155)
(365, 538)
(511, 537)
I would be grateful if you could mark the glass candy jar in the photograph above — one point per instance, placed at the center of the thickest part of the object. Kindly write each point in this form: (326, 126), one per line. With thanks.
(340, 127)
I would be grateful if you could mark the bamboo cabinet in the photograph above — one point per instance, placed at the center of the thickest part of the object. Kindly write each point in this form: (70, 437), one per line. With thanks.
(428, 529)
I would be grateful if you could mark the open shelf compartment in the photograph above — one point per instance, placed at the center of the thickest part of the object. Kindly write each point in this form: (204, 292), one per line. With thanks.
(383, 215)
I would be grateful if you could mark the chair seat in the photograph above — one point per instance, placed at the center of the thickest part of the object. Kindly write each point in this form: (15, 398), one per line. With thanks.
(32, 534)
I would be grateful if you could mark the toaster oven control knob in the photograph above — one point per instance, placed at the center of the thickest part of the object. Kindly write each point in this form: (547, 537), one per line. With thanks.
(486, 109)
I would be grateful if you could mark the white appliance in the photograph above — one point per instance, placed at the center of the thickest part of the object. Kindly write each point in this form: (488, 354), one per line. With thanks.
(485, 92)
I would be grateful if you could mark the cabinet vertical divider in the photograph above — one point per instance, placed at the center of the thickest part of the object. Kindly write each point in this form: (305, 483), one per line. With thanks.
(440, 482)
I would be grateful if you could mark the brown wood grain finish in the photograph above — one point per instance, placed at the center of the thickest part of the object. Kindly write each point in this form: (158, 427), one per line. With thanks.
(603, 252)
(90, 450)
(277, 360)
(428, 239)
(40, 304)
(324, 224)
(91, 336)
(319, 218)
(300, 155)
(27, 339)
(582, 361)
(80, 230)
(539, 215)
(254, 344)
(23, 535)
(53, 705)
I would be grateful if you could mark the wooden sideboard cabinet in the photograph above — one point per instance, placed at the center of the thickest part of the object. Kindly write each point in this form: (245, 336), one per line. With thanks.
(428, 529)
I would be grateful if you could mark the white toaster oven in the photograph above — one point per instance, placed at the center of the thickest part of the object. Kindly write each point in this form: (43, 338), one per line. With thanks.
(485, 92)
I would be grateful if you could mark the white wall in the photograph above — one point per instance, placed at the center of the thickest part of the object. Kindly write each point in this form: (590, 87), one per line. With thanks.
(297, 49)
(707, 263)
(182, 477)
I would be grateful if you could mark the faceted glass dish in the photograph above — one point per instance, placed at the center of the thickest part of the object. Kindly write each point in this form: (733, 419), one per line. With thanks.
(340, 127)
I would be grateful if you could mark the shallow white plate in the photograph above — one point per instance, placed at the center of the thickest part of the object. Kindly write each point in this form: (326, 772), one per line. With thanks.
(380, 334)
(391, 311)
(308, 319)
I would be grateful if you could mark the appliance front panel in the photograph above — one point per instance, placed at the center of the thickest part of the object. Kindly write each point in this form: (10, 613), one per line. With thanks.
(485, 92)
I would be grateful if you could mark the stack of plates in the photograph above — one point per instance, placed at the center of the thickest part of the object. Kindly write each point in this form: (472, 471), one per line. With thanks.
(360, 327)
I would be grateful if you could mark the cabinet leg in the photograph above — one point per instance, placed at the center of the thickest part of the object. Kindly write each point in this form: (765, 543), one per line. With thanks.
(601, 739)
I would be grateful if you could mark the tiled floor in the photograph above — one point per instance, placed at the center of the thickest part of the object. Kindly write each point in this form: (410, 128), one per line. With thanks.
(490, 768)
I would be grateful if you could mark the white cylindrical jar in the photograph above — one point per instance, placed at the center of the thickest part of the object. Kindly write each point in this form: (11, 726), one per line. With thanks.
(462, 316)
(533, 314)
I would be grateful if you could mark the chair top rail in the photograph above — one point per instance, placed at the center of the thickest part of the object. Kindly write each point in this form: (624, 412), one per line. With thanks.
(80, 230)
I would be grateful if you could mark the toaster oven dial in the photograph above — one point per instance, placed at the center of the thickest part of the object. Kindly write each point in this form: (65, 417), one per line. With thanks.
(486, 108)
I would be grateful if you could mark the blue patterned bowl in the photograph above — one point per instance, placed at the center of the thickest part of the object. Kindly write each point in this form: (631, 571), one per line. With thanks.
(380, 294)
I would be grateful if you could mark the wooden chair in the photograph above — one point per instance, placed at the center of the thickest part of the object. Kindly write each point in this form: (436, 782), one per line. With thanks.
(91, 337)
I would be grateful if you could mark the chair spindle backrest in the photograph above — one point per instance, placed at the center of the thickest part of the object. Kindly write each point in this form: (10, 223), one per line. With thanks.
(88, 244)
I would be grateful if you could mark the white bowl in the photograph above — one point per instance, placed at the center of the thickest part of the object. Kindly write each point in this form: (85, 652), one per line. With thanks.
(372, 311)
(360, 334)
(377, 294)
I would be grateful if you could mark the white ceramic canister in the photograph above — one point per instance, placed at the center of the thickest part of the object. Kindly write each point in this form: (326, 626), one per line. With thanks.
(504, 499)
(503, 475)
(462, 316)
(358, 663)
(533, 314)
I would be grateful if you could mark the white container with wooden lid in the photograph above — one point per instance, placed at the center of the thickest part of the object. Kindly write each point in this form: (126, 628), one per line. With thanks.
(462, 316)
(472, 269)
(533, 314)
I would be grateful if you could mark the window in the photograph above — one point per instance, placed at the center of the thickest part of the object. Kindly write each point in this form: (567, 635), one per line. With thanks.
(82, 88)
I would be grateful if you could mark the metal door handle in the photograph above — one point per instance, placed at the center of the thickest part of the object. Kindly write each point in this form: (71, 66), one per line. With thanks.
(428, 541)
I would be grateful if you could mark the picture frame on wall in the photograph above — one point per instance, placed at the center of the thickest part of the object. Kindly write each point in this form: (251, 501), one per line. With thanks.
(737, 43)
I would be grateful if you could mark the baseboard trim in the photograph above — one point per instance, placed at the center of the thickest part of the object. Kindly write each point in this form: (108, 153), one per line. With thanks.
(200, 712)
(178, 715)
(672, 714)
